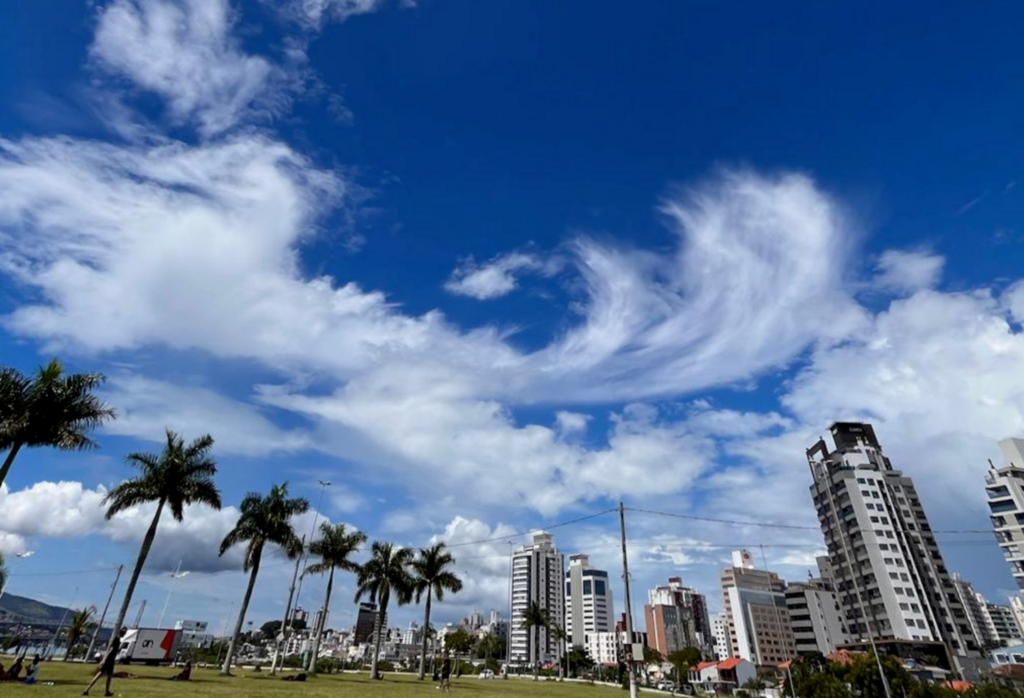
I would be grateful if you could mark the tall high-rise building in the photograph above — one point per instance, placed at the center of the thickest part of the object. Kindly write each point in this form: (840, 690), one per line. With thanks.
(1017, 609)
(366, 619)
(1003, 625)
(720, 629)
(588, 601)
(677, 617)
(755, 605)
(975, 607)
(1005, 489)
(890, 576)
(538, 574)
(814, 613)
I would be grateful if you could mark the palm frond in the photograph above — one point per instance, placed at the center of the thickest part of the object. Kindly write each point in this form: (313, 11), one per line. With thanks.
(129, 494)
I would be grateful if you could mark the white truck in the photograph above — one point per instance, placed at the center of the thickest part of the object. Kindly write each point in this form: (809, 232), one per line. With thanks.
(149, 646)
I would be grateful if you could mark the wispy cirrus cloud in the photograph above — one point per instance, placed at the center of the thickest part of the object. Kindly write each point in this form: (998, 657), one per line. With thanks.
(315, 13)
(185, 52)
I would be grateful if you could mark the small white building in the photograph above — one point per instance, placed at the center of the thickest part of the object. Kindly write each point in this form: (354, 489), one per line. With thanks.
(603, 647)
(733, 672)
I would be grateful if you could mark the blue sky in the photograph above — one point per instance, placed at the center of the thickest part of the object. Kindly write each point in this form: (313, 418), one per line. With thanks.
(490, 266)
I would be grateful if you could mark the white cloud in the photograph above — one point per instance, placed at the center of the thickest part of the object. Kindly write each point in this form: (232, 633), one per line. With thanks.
(193, 248)
(70, 510)
(483, 568)
(184, 51)
(757, 258)
(571, 422)
(427, 424)
(907, 271)
(316, 12)
(938, 374)
(146, 407)
(498, 277)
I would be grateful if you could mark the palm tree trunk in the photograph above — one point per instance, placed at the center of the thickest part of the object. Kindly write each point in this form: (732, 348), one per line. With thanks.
(426, 630)
(226, 669)
(9, 460)
(147, 543)
(380, 629)
(311, 669)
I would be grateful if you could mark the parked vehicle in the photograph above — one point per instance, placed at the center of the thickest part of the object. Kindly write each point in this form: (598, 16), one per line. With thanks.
(149, 646)
(486, 674)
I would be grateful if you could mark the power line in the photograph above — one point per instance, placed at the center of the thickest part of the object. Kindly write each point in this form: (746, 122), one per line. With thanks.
(761, 524)
(69, 572)
(729, 522)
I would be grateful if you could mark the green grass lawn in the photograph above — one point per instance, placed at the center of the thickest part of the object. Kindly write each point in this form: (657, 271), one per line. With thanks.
(152, 682)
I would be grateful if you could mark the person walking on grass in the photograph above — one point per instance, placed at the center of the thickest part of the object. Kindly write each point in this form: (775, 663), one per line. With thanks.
(446, 674)
(107, 665)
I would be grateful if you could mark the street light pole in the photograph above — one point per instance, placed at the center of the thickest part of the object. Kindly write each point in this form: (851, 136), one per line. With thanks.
(634, 691)
(324, 484)
(175, 576)
(280, 647)
(103, 617)
(20, 556)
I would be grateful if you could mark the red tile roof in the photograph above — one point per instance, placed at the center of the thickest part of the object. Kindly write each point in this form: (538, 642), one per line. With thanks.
(958, 686)
(843, 656)
(730, 663)
(704, 665)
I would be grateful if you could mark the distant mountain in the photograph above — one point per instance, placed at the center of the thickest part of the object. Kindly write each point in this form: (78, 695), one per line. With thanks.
(24, 610)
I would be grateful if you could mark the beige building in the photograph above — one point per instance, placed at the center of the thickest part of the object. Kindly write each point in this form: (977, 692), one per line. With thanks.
(756, 612)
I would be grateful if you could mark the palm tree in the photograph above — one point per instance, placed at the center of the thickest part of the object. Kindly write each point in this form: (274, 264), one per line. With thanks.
(535, 617)
(81, 621)
(384, 574)
(3, 573)
(182, 474)
(432, 577)
(558, 632)
(262, 520)
(49, 409)
(335, 546)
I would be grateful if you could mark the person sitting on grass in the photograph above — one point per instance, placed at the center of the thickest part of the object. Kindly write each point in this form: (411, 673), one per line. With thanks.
(33, 672)
(15, 671)
(295, 677)
(185, 674)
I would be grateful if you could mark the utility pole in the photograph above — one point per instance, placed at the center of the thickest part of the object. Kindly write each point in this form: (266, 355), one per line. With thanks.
(103, 617)
(508, 629)
(52, 645)
(282, 636)
(142, 609)
(633, 690)
(324, 484)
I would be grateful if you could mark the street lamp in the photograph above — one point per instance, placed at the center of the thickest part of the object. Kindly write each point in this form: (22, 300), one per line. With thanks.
(20, 556)
(289, 612)
(175, 575)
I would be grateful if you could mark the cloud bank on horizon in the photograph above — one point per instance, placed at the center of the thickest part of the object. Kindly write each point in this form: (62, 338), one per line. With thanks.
(197, 245)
